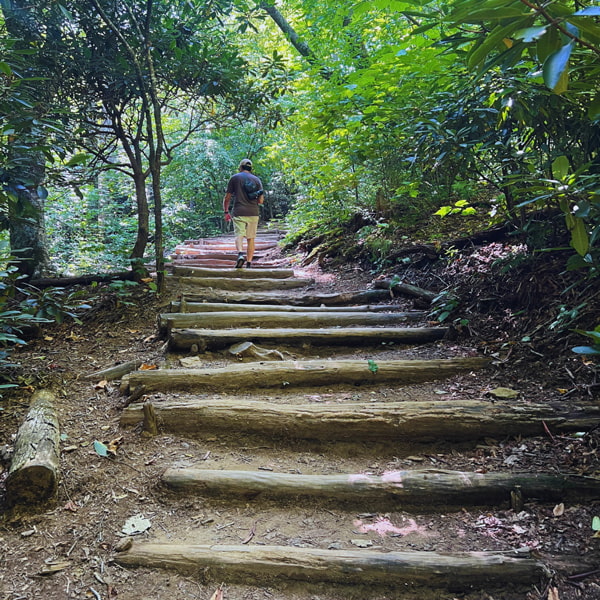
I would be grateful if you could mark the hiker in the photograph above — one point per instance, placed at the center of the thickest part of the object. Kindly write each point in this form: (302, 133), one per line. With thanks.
(246, 190)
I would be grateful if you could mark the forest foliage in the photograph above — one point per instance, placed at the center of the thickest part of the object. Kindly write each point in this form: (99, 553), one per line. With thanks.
(121, 125)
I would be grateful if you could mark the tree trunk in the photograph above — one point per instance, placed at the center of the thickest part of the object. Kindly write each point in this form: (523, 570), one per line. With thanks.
(398, 422)
(337, 299)
(392, 491)
(272, 320)
(143, 211)
(34, 471)
(235, 284)
(304, 373)
(249, 564)
(211, 339)
(238, 273)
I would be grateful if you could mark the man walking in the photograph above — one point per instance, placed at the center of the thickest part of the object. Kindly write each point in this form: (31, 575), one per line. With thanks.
(246, 190)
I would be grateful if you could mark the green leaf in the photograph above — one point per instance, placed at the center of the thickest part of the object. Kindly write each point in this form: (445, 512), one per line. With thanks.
(589, 11)
(594, 108)
(580, 239)
(556, 69)
(531, 34)
(561, 167)
(100, 448)
(373, 367)
(596, 523)
(547, 44)
(592, 350)
(5, 68)
(491, 42)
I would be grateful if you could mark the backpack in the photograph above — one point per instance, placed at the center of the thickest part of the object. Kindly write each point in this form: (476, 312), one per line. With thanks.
(252, 188)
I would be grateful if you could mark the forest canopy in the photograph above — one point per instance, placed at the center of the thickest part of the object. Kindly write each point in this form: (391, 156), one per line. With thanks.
(121, 122)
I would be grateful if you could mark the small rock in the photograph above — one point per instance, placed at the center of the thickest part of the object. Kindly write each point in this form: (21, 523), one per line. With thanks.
(123, 544)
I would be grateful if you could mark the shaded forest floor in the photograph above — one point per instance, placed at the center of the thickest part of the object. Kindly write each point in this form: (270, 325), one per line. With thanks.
(504, 304)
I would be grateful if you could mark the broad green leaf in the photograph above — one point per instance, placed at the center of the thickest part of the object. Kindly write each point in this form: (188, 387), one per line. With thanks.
(5, 68)
(492, 41)
(596, 523)
(561, 167)
(580, 239)
(373, 366)
(547, 44)
(586, 350)
(556, 69)
(589, 11)
(531, 34)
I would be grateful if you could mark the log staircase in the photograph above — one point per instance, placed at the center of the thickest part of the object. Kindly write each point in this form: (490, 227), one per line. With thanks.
(336, 410)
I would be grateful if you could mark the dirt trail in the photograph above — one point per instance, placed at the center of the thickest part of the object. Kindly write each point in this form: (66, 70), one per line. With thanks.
(303, 490)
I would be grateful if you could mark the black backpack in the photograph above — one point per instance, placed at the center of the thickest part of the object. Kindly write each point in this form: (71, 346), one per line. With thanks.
(252, 188)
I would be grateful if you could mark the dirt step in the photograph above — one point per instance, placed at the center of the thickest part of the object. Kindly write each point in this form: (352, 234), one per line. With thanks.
(270, 319)
(213, 339)
(300, 299)
(245, 564)
(237, 273)
(402, 422)
(309, 373)
(240, 284)
(395, 490)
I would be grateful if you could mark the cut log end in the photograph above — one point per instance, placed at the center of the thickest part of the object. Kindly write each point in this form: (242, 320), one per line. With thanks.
(31, 485)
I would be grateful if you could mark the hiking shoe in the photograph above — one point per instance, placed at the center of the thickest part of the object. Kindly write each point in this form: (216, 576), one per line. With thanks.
(248, 265)
(239, 263)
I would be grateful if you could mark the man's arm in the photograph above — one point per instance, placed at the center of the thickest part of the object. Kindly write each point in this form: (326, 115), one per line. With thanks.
(226, 201)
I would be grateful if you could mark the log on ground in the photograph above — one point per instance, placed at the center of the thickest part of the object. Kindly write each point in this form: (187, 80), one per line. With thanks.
(239, 284)
(246, 564)
(277, 298)
(34, 471)
(393, 491)
(271, 319)
(212, 339)
(307, 373)
(116, 371)
(195, 307)
(405, 289)
(238, 273)
(399, 422)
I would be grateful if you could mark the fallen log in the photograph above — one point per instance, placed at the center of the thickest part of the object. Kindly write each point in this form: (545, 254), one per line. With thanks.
(405, 289)
(246, 564)
(397, 422)
(212, 339)
(115, 372)
(392, 491)
(237, 273)
(240, 284)
(34, 470)
(337, 299)
(46, 282)
(313, 373)
(196, 307)
(272, 320)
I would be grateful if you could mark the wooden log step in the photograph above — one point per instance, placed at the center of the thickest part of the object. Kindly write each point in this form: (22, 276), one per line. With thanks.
(214, 263)
(400, 422)
(242, 273)
(239, 284)
(392, 491)
(197, 307)
(288, 374)
(191, 253)
(248, 564)
(34, 471)
(336, 299)
(213, 339)
(271, 319)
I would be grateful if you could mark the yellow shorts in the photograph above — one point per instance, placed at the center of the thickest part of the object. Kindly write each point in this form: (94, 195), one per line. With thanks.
(245, 226)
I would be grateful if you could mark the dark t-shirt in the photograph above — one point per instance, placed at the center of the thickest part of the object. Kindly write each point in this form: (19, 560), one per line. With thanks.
(240, 185)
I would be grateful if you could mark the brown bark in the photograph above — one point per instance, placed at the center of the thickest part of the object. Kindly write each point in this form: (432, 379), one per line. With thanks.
(199, 307)
(272, 320)
(34, 471)
(391, 491)
(235, 284)
(405, 289)
(46, 282)
(115, 372)
(191, 254)
(183, 271)
(337, 299)
(399, 422)
(210, 339)
(303, 373)
(245, 564)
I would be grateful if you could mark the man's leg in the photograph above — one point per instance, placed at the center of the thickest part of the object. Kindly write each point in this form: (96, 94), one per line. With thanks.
(250, 255)
(239, 226)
